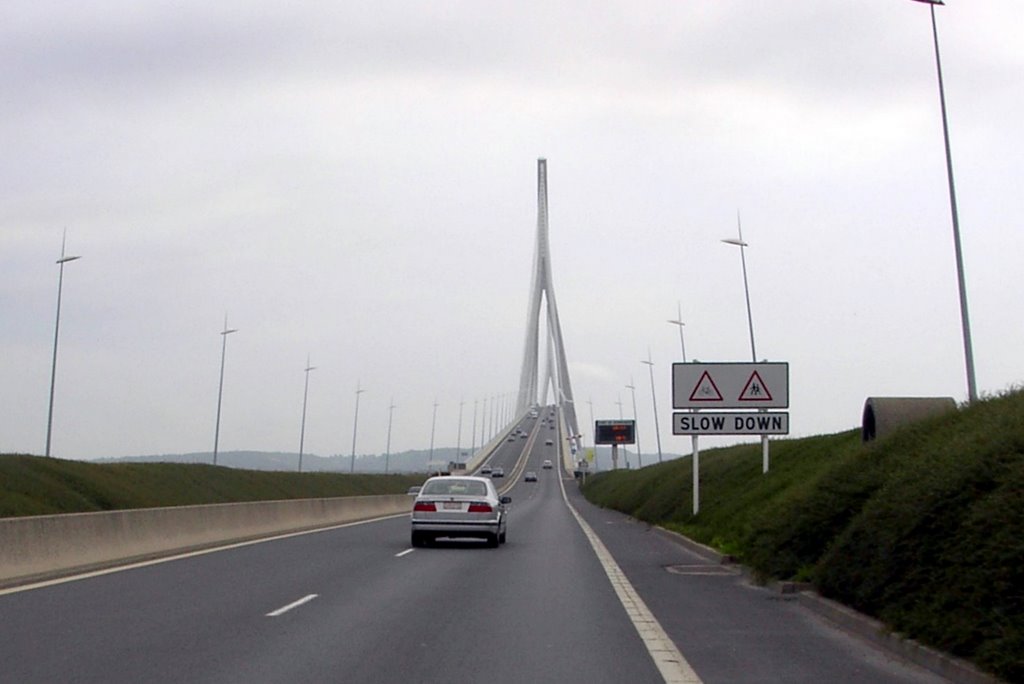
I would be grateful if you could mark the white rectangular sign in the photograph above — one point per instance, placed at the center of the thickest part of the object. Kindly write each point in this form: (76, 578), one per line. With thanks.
(715, 386)
(730, 423)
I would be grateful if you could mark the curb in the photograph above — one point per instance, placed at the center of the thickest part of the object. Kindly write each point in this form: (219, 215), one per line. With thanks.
(851, 621)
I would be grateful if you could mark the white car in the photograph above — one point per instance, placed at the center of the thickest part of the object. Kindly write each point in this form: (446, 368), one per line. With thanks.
(546, 465)
(457, 507)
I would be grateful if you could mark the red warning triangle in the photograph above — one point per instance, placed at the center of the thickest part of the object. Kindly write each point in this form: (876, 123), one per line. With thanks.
(755, 389)
(705, 390)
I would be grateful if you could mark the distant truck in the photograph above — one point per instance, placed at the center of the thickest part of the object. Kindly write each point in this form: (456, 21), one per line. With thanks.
(435, 468)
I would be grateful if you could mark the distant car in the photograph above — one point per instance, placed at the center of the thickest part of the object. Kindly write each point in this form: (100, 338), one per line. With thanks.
(498, 472)
(511, 438)
(546, 465)
(458, 507)
(522, 435)
(415, 489)
(530, 476)
(486, 470)
(548, 442)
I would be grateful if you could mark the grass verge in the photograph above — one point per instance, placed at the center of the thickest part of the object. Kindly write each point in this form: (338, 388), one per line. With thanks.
(33, 485)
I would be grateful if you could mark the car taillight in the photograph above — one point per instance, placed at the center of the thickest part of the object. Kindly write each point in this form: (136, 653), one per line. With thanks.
(478, 507)
(425, 506)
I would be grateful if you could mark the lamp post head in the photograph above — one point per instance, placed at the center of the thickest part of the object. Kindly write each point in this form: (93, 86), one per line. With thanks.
(679, 323)
(741, 243)
(64, 260)
(228, 331)
(931, 2)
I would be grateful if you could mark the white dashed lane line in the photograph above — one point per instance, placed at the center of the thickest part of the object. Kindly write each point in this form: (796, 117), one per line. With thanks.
(290, 606)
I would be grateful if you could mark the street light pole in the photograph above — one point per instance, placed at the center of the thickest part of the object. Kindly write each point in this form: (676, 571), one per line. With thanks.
(972, 387)
(654, 400)
(625, 451)
(433, 424)
(746, 288)
(305, 395)
(355, 426)
(593, 437)
(56, 333)
(750, 320)
(636, 432)
(220, 389)
(458, 435)
(694, 440)
(678, 322)
(387, 449)
(472, 446)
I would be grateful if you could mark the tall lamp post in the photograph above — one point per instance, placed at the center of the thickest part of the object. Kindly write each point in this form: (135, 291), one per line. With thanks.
(472, 446)
(433, 424)
(625, 451)
(355, 426)
(694, 440)
(972, 387)
(593, 437)
(387, 449)
(458, 435)
(220, 388)
(636, 433)
(56, 333)
(305, 395)
(738, 241)
(654, 400)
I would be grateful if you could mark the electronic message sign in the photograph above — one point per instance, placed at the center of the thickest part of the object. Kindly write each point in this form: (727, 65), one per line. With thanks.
(615, 432)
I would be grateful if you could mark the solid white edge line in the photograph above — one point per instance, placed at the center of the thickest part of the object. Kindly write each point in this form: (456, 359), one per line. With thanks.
(670, 662)
(190, 554)
(293, 604)
(404, 553)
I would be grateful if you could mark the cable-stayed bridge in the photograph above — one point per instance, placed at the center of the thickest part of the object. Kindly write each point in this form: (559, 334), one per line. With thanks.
(543, 308)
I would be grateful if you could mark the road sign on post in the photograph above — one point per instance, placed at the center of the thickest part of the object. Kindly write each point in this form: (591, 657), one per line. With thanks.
(713, 386)
(731, 423)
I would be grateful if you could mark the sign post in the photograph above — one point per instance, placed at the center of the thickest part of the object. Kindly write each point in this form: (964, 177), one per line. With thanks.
(752, 387)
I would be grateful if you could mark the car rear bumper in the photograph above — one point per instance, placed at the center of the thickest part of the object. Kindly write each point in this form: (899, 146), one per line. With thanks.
(450, 528)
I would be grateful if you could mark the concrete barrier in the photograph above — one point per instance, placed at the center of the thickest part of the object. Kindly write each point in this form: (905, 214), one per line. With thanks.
(46, 546)
(882, 415)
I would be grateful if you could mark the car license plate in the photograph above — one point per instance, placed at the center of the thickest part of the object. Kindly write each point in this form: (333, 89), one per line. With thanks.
(452, 506)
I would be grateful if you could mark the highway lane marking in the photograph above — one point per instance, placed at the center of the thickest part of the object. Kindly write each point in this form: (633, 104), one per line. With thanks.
(189, 554)
(670, 662)
(294, 604)
(403, 553)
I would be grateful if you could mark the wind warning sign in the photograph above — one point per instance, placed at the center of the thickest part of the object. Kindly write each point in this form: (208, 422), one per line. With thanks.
(715, 386)
(730, 423)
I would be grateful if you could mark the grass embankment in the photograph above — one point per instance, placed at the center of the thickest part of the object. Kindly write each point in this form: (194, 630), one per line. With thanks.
(923, 530)
(33, 485)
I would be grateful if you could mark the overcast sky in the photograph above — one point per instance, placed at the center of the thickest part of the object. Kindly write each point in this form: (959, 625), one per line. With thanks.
(356, 181)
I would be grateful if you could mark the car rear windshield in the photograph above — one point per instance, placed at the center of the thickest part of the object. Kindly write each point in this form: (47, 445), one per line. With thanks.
(454, 487)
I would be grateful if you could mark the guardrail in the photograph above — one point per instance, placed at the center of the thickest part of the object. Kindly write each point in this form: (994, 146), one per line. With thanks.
(481, 455)
(46, 546)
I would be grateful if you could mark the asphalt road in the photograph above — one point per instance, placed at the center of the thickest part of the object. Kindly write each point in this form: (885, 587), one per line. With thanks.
(358, 604)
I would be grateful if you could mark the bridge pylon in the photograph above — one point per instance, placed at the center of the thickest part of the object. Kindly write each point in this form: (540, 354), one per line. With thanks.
(556, 376)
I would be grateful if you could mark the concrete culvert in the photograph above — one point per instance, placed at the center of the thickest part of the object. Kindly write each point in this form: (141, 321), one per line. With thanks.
(882, 415)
